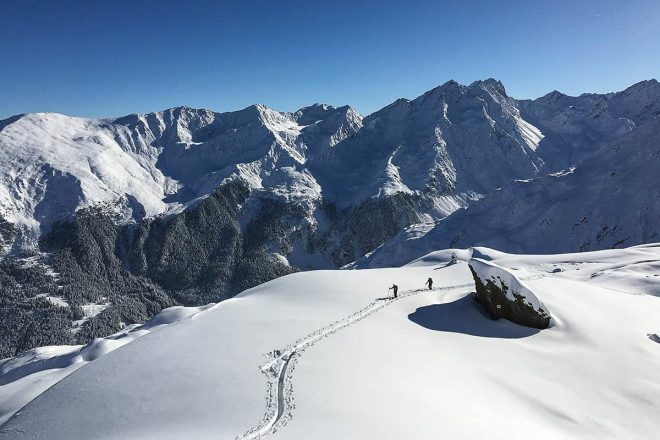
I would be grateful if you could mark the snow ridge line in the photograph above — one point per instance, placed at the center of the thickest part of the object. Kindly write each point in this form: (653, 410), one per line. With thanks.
(281, 364)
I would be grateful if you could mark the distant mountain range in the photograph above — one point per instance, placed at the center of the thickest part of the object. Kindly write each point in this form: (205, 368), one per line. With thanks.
(103, 222)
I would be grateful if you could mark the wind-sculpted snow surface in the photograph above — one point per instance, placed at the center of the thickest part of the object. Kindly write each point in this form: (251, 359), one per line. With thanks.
(425, 362)
(24, 377)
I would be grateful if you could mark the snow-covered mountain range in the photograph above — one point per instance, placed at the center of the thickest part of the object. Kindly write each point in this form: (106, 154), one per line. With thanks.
(186, 206)
(449, 146)
(156, 163)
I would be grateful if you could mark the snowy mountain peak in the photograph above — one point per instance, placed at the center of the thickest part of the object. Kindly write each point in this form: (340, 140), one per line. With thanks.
(490, 84)
(451, 90)
(317, 112)
(645, 84)
(449, 85)
(638, 102)
(553, 96)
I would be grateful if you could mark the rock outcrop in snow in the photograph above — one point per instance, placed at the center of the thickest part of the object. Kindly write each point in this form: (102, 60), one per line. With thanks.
(503, 295)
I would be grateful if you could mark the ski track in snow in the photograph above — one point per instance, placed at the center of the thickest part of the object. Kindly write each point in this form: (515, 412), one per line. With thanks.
(281, 364)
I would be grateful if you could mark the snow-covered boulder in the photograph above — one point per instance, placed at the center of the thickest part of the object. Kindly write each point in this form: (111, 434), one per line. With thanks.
(504, 295)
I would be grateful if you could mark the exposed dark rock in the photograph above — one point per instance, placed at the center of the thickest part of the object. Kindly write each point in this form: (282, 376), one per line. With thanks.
(377, 220)
(8, 233)
(501, 298)
(27, 320)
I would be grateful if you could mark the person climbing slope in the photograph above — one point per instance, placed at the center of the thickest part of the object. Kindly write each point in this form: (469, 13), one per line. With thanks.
(395, 288)
(429, 283)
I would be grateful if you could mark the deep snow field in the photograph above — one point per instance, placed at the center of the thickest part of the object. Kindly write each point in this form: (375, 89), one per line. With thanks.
(345, 361)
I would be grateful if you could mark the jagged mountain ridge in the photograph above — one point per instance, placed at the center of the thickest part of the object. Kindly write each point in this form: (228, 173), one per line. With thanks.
(454, 143)
(451, 145)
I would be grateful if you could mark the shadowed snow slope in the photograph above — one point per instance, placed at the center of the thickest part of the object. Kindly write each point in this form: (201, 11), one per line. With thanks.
(24, 377)
(608, 202)
(425, 366)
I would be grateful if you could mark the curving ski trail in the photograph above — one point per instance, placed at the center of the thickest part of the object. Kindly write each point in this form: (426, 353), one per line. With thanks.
(281, 363)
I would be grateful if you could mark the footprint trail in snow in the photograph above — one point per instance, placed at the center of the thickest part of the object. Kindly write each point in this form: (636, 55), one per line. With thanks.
(280, 365)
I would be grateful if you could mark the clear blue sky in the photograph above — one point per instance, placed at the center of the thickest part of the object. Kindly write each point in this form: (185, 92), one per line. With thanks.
(113, 57)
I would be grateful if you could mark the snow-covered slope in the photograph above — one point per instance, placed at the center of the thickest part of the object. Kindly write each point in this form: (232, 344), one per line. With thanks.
(344, 361)
(454, 143)
(52, 164)
(576, 126)
(612, 200)
(26, 376)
